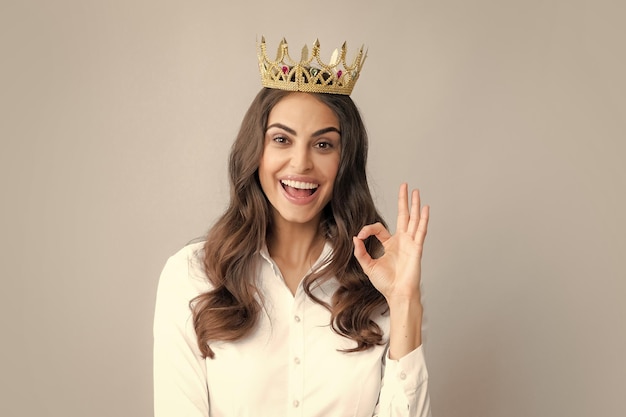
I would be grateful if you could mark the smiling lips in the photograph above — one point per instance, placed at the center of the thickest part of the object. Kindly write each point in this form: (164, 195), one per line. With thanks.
(299, 189)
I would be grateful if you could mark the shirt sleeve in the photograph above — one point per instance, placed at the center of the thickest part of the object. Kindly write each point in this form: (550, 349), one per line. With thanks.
(180, 387)
(404, 391)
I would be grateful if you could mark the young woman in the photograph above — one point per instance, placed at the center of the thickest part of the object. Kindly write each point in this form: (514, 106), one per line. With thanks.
(300, 302)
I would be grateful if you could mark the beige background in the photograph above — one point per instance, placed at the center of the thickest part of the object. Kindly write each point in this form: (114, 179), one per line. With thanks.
(510, 116)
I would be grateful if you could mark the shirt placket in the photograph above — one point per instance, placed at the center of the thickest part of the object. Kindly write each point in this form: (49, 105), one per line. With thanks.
(296, 356)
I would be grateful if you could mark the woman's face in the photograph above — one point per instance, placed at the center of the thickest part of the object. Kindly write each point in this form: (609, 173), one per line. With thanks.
(300, 158)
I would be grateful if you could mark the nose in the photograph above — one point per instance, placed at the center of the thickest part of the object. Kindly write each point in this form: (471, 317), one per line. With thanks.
(301, 158)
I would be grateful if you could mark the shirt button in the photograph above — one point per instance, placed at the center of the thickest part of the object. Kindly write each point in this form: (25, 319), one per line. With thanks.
(402, 376)
(296, 360)
(296, 403)
(297, 319)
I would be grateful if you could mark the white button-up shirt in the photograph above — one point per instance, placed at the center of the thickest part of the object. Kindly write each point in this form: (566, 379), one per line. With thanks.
(289, 365)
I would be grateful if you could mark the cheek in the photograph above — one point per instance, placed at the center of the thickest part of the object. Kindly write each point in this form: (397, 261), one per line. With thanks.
(263, 173)
(332, 168)
(269, 166)
(265, 164)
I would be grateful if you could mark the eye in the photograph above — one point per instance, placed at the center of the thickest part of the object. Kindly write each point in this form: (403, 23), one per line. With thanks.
(280, 139)
(324, 145)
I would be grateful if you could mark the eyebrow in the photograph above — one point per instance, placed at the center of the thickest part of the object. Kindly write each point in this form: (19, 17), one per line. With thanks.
(293, 132)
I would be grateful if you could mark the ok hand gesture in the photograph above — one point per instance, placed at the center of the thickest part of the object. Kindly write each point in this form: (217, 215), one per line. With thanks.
(397, 273)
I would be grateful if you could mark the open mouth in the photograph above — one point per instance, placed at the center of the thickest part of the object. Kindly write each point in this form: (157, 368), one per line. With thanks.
(299, 189)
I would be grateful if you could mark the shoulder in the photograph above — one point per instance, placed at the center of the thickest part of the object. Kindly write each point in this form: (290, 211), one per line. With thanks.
(184, 272)
(182, 280)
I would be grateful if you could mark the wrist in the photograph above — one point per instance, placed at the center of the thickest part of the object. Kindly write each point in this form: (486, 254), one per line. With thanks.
(405, 316)
(407, 311)
(405, 301)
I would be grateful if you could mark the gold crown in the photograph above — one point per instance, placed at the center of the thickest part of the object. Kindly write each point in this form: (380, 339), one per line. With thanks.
(310, 75)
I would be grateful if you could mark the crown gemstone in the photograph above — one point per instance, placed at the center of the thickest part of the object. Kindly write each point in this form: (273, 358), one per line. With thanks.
(314, 71)
(285, 69)
(339, 73)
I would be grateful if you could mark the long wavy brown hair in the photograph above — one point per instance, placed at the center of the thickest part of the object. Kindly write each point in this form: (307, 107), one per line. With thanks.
(230, 310)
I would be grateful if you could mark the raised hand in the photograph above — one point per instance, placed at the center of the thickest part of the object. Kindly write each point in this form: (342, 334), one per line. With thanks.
(397, 273)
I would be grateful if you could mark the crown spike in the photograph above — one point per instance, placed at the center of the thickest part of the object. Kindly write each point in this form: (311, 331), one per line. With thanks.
(279, 52)
(305, 54)
(364, 55)
(334, 58)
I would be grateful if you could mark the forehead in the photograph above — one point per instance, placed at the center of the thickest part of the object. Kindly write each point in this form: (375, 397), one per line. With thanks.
(303, 110)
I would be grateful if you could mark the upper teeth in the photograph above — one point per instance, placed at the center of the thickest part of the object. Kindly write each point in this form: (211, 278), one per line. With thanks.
(299, 184)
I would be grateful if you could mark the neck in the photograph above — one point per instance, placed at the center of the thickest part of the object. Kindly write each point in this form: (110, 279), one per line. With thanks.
(295, 244)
